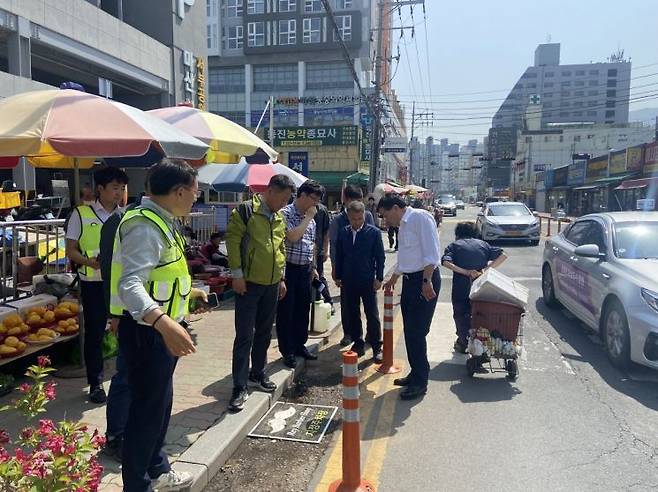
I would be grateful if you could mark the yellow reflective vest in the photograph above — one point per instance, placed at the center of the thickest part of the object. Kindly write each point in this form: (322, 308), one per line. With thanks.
(90, 240)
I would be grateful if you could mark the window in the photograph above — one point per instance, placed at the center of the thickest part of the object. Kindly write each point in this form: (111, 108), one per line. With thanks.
(548, 114)
(562, 136)
(328, 75)
(518, 87)
(312, 30)
(343, 4)
(550, 74)
(344, 27)
(548, 94)
(211, 32)
(580, 73)
(578, 232)
(528, 140)
(580, 83)
(256, 7)
(565, 93)
(548, 84)
(591, 113)
(312, 6)
(532, 86)
(564, 114)
(565, 104)
(576, 113)
(579, 93)
(566, 73)
(281, 77)
(610, 104)
(612, 72)
(530, 75)
(226, 80)
(287, 5)
(612, 83)
(235, 40)
(287, 31)
(547, 138)
(591, 104)
(593, 93)
(548, 105)
(593, 83)
(566, 83)
(256, 33)
(610, 114)
(234, 8)
(578, 104)
(576, 138)
(611, 93)
(593, 72)
(211, 8)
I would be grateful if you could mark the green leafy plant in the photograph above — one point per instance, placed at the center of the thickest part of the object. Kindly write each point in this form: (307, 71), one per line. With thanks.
(48, 457)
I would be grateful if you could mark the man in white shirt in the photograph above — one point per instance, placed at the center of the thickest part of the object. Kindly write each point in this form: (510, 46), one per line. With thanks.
(419, 256)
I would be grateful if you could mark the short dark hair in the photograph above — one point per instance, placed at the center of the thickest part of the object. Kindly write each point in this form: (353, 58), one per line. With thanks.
(216, 235)
(389, 200)
(282, 182)
(465, 230)
(353, 192)
(106, 175)
(311, 187)
(168, 175)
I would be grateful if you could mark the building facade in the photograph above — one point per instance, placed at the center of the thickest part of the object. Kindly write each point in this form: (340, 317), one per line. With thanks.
(288, 50)
(135, 51)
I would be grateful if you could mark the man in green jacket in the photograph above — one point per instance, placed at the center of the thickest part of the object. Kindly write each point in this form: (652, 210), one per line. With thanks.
(255, 240)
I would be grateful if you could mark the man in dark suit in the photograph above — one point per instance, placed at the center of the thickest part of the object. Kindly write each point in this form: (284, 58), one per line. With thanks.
(359, 272)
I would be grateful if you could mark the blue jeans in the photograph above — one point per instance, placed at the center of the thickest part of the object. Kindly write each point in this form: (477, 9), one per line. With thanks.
(118, 399)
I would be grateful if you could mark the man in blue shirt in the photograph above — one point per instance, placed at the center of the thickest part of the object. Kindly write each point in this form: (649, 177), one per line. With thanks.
(360, 261)
(351, 193)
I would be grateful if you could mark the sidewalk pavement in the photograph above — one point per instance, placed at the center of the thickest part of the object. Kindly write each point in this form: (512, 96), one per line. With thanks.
(202, 434)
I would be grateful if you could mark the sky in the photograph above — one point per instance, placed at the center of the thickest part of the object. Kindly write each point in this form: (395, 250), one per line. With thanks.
(468, 54)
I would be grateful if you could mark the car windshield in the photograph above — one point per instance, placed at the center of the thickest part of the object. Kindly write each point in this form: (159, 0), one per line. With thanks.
(636, 240)
(508, 210)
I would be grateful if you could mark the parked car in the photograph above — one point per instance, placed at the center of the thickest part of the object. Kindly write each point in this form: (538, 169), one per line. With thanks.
(604, 269)
(448, 204)
(508, 220)
(460, 204)
(479, 203)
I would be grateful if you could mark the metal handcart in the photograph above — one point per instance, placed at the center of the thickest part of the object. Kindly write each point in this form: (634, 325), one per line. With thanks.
(496, 333)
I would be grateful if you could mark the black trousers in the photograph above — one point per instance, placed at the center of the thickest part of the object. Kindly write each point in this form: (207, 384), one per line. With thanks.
(354, 294)
(417, 316)
(293, 313)
(95, 314)
(393, 236)
(150, 369)
(325, 295)
(254, 317)
(461, 313)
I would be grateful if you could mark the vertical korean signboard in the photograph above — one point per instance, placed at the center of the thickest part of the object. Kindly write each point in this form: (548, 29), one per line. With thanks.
(617, 162)
(298, 162)
(651, 159)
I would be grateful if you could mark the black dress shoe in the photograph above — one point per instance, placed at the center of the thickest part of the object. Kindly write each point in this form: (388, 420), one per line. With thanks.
(97, 395)
(290, 361)
(401, 381)
(413, 392)
(346, 341)
(303, 352)
(359, 348)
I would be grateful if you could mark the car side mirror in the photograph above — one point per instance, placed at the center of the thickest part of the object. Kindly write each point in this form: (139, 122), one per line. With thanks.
(535, 213)
(589, 251)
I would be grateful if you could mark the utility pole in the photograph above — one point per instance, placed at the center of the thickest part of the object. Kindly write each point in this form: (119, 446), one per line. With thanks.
(272, 121)
(376, 129)
(411, 143)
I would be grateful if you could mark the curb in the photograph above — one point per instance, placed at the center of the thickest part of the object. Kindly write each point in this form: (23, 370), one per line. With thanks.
(217, 444)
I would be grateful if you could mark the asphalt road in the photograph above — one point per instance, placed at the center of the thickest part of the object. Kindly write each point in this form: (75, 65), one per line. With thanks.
(570, 422)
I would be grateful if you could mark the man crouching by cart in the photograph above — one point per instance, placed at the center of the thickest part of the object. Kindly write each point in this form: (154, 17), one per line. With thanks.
(467, 257)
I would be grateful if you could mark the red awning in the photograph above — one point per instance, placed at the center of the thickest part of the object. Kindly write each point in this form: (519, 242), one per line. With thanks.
(633, 184)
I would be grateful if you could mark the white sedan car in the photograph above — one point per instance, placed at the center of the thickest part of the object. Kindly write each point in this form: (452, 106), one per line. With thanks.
(509, 221)
(604, 269)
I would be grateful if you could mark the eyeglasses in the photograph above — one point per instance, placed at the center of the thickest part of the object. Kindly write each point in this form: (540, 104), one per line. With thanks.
(197, 192)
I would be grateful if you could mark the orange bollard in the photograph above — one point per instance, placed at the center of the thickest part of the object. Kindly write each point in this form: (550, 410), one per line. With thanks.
(351, 481)
(559, 226)
(387, 366)
(549, 227)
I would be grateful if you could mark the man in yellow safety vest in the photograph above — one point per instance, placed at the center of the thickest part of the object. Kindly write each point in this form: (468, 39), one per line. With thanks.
(83, 238)
(150, 290)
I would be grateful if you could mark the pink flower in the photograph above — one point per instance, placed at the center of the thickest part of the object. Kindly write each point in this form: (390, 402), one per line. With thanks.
(55, 443)
(24, 388)
(46, 427)
(49, 390)
(27, 433)
(4, 436)
(43, 361)
(4, 455)
(97, 440)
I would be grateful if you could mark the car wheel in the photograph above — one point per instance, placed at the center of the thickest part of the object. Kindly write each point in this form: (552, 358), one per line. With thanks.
(615, 334)
(534, 242)
(548, 287)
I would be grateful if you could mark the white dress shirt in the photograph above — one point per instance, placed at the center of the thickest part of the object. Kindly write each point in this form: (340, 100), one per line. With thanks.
(418, 242)
(355, 232)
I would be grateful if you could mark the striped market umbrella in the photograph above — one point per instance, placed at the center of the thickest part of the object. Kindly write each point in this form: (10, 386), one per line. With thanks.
(238, 177)
(228, 141)
(69, 128)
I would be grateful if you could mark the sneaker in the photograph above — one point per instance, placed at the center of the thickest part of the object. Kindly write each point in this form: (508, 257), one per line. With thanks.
(290, 361)
(378, 357)
(346, 341)
(262, 382)
(114, 448)
(359, 349)
(239, 396)
(97, 394)
(172, 481)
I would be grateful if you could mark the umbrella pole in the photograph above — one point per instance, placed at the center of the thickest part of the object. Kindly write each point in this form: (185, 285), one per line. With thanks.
(76, 181)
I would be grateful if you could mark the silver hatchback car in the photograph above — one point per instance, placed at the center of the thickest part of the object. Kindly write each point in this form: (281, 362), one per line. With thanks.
(604, 269)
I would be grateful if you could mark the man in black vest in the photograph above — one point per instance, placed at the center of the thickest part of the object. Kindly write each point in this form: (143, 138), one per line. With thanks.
(359, 272)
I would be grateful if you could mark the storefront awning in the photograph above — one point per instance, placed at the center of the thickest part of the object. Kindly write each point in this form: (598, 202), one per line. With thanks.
(588, 187)
(613, 179)
(332, 181)
(359, 179)
(559, 188)
(633, 184)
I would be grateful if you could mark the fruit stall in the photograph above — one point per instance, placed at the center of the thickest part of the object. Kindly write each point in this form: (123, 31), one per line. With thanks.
(35, 323)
